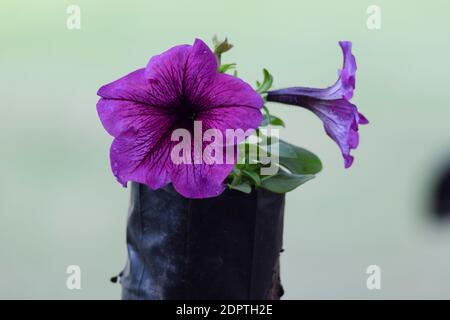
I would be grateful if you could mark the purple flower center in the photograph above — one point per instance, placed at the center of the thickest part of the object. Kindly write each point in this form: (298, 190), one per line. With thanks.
(186, 112)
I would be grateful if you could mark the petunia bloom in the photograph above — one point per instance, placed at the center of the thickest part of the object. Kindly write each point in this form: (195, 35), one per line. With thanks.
(332, 105)
(142, 109)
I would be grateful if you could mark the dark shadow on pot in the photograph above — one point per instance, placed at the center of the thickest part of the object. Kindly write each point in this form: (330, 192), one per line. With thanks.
(440, 201)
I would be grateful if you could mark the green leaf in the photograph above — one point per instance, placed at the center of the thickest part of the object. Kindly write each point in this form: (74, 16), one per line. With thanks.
(243, 187)
(266, 111)
(225, 67)
(298, 160)
(246, 153)
(265, 140)
(253, 176)
(283, 181)
(296, 166)
(267, 82)
(272, 120)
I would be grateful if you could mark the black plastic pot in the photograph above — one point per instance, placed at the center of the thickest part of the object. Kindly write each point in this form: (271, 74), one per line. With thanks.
(226, 247)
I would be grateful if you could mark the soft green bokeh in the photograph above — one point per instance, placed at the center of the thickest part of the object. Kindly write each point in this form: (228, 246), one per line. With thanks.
(60, 205)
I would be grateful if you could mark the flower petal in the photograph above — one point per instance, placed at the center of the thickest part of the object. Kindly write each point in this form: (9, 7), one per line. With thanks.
(230, 103)
(118, 116)
(134, 87)
(345, 85)
(184, 72)
(347, 76)
(143, 155)
(340, 120)
(200, 180)
(201, 70)
(342, 89)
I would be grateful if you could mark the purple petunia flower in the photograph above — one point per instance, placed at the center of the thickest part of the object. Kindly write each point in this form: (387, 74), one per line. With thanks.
(142, 109)
(340, 117)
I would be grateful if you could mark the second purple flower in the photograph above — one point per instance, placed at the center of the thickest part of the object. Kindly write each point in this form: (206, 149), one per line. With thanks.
(332, 105)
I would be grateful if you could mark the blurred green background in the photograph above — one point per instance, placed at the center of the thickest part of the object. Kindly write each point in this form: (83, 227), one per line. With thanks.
(60, 204)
